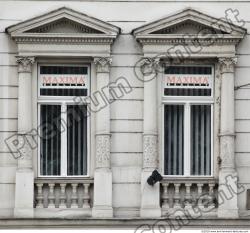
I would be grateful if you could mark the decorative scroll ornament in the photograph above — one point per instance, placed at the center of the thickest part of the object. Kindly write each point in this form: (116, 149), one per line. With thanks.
(227, 64)
(103, 151)
(102, 64)
(24, 64)
(150, 151)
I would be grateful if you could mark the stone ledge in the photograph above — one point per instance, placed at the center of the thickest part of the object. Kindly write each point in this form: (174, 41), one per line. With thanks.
(127, 223)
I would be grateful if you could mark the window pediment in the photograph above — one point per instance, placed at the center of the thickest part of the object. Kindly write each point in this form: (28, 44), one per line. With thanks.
(187, 26)
(63, 25)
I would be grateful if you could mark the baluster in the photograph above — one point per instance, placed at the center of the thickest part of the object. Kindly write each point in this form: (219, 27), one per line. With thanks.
(211, 195)
(200, 197)
(165, 203)
(62, 196)
(177, 196)
(74, 197)
(188, 198)
(51, 196)
(86, 196)
(39, 195)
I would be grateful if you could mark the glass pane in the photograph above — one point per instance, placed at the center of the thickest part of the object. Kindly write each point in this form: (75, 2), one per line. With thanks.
(188, 70)
(77, 140)
(187, 92)
(200, 140)
(63, 70)
(173, 139)
(50, 147)
(188, 81)
(63, 92)
(63, 80)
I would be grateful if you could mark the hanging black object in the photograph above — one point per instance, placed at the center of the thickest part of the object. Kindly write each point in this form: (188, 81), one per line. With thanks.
(154, 178)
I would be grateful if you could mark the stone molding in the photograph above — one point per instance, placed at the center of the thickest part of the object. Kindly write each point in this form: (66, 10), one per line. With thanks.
(64, 39)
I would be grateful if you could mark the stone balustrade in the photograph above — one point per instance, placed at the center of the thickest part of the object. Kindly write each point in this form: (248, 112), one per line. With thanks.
(189, 194)
(63, 194)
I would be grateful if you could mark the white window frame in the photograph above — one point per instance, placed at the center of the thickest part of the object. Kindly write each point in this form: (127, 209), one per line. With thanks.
(63, 101)
(187, 101)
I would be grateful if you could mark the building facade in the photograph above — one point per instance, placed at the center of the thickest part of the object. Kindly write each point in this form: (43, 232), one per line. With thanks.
(98, 96)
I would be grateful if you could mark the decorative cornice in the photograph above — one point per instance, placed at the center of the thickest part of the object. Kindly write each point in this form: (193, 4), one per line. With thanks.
(64, 39)
(182, 40)
(102, 64)
(24, 64)
(227, 64)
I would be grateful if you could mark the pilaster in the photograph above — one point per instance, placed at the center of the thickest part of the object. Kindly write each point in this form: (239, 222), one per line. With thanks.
(227, 208)
(103, 176)
(150, 195)
(24, 191)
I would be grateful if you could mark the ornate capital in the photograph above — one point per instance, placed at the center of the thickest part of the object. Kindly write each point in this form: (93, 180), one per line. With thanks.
(24, 64)
(103, 151)
(102, 64)
(149, 151)
(227, 64)
(147, 68)
(150, 64)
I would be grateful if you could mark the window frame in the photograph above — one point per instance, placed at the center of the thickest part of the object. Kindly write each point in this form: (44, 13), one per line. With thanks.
(63, 101)
(187, 101)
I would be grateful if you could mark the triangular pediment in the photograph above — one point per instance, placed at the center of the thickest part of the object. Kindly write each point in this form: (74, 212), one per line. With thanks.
(64, 22)
(64, 25)
(188, 21)
(188, 27)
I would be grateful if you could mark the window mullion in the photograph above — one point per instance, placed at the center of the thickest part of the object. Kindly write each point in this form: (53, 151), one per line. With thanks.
(187, 140)
(64, 139)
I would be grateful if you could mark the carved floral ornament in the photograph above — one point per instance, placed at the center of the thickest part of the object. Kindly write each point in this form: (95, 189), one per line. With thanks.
(24, 63)
(102, 64)
(150, 151)
(227, 64)
(103, 151)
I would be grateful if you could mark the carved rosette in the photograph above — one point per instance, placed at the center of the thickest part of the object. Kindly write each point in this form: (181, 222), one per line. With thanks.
(227, 64)
(102, 64)
(24, 64)
(103, 151)
(149, 151)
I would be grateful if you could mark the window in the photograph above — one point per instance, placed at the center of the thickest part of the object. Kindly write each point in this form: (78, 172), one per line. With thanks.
(63, 145)
(188, 108)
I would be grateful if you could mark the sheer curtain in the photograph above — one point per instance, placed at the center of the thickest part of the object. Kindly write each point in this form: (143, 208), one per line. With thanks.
(77, 139)
(50, 148)
(200, 139)
(174, 139)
